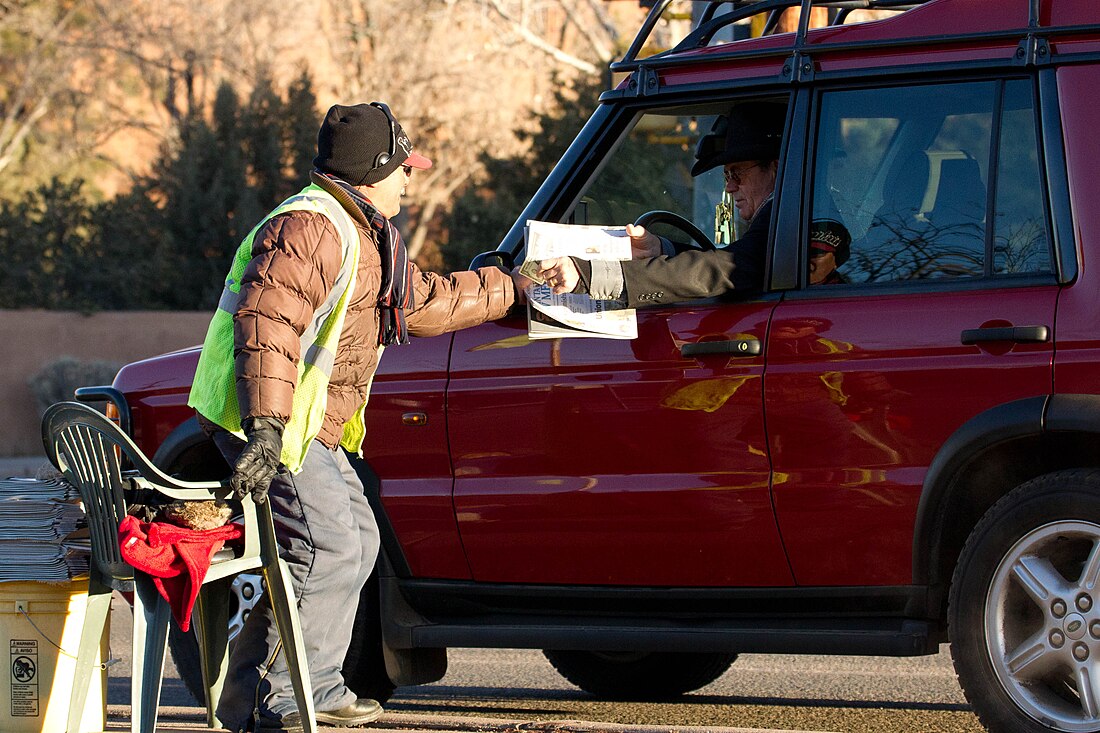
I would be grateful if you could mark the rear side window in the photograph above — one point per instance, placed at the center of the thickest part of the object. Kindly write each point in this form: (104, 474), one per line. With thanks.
(1020, 242)
(930, 182)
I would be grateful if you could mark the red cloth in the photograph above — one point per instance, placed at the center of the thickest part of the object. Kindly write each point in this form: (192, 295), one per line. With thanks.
(177, 558)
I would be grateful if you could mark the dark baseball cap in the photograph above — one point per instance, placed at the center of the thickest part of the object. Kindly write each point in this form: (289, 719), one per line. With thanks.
(354, 139)
(751, 131)
(829, 235)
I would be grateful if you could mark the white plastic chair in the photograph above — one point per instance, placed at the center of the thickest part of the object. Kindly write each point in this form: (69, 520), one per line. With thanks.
(110, 473)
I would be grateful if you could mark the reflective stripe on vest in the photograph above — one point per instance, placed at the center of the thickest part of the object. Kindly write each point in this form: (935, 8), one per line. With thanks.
(214, 393)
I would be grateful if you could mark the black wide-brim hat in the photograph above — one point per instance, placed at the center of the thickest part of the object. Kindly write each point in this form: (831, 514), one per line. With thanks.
(751, 131)
(351, 139)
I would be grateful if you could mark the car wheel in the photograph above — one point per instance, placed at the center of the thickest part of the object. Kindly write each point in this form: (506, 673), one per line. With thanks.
(1024, 608)
(639, 675)
(364, 666)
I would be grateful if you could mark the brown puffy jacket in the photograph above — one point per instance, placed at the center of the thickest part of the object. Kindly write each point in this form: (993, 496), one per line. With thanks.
(295, 261)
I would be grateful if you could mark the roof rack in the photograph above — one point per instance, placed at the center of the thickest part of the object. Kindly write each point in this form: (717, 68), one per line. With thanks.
(742, 9)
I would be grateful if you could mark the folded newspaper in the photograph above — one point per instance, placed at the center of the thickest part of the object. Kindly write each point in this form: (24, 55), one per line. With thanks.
(573, 315)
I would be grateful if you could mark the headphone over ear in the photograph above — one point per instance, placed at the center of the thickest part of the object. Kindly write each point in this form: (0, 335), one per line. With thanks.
(384, 157)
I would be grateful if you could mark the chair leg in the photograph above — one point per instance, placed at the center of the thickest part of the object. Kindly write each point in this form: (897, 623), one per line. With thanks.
(285, 607)
(91, 634)
(210, 620)
(151, 618)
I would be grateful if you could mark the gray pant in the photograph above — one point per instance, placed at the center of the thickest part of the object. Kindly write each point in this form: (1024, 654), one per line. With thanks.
(328, 536)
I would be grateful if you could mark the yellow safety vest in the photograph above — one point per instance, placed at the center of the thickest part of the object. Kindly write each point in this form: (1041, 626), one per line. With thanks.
(214, 390)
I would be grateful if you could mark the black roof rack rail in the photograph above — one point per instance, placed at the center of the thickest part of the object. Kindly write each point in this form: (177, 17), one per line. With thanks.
(742, 9)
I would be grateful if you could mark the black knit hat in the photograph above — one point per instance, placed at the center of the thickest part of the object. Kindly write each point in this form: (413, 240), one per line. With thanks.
(362, 144)
(751, 131)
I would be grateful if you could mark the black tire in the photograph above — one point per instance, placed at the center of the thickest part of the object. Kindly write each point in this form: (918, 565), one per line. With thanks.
(639, 676)
(1024, 607)
(364, 666)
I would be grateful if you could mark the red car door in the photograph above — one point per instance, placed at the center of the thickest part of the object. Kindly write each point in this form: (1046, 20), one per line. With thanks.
(942, 307)
(860, 394)
(597, 461)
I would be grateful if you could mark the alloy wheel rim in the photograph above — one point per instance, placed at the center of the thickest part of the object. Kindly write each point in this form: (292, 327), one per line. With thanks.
(1042, 625)
(247, 589)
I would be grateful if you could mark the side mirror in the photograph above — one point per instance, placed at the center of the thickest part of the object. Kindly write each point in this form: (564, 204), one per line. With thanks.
(496, 258)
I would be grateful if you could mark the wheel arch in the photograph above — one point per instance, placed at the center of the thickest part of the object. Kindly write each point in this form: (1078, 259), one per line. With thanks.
(984, 459)
(189, 452)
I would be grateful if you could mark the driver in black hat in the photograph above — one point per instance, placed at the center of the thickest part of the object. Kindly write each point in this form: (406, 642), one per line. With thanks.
(746, 144)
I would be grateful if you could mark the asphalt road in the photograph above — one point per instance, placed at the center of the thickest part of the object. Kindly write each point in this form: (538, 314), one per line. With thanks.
(805, 693)
(788, 692)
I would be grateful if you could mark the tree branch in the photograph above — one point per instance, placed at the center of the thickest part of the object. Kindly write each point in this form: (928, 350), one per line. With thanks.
(533, 39)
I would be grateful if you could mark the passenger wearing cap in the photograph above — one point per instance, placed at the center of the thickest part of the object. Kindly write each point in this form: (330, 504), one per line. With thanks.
(318, 288)
(830, 246)
(746, 144)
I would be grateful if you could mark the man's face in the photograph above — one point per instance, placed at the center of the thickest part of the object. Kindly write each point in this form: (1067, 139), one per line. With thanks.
(750, 183)
(821, 264)
(386, 194)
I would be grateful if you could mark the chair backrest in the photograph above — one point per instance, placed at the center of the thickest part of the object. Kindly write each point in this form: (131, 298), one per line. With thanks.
(960, 198)
(904, 187)
(94, 453)
(87, 448)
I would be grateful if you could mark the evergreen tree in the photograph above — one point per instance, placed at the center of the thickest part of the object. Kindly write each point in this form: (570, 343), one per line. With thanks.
(22, 278)
(261, 124)
(132, 272)
(300, 127)
(168, 242)
(48, 255)
(485, 211)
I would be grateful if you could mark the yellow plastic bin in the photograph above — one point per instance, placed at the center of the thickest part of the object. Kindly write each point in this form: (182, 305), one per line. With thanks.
(36, 619)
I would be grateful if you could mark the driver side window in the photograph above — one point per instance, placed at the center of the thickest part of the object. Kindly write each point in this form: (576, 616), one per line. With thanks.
(649, 170)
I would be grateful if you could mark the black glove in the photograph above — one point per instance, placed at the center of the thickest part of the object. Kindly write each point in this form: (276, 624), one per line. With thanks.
(259, 461)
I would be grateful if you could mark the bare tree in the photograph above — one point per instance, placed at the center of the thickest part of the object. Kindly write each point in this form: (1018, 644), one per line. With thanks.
(40, 70)
(461, 75)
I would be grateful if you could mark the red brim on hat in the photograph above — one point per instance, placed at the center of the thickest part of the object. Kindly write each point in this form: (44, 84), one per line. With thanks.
(418, 161)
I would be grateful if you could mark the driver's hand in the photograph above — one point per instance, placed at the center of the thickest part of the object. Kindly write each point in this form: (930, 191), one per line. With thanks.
(560, 273)
(643, 244)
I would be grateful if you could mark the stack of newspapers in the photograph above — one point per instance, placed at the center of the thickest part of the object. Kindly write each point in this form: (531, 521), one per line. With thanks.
(568, 314)
(42, 531)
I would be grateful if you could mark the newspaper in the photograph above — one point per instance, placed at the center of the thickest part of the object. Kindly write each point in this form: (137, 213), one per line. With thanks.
(573, 315)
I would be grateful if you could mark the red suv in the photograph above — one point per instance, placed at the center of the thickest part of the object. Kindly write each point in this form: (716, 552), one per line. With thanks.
(875, 466)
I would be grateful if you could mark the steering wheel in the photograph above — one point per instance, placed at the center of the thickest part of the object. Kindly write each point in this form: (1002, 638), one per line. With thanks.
(667, 217)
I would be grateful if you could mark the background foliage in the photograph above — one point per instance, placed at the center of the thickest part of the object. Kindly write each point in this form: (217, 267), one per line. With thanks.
(485, 210)
(57, 380)
(140, 139)
(168, 242)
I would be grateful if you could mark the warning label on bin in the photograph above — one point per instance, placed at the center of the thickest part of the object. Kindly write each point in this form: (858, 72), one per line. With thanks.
(24, 678)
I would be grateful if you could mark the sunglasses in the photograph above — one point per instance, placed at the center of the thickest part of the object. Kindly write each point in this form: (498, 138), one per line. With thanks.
(735, 175)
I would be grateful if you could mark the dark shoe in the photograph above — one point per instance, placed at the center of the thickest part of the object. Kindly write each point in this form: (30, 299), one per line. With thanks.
(289, 723)
(360, 712)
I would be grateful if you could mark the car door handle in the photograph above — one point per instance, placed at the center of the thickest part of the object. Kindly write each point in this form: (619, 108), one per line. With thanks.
(1017, 334)
(733, 347)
